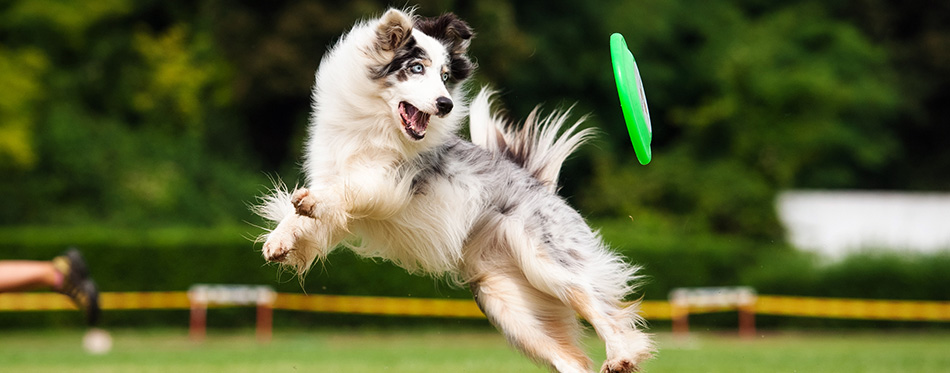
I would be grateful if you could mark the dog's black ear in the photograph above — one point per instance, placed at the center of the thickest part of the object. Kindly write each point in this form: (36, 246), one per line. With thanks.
(393, 30)
(449, 29)
(456, 35)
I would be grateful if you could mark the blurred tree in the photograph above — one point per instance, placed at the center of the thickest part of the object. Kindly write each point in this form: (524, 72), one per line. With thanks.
(800, 98)
(765, 99)
(183, 79)
(20, 73)
(916, 35)
(28, 24)
(123, 107)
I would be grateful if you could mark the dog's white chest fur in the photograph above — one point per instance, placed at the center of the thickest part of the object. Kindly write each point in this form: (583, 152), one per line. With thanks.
(429, 232)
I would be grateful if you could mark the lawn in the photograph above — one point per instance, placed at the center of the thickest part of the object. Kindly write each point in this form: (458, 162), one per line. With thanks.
(170, 350)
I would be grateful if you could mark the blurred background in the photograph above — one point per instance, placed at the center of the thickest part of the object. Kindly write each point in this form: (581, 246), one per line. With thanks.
(140, 131)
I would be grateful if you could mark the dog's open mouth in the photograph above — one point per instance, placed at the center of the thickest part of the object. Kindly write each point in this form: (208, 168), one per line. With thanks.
(414, 121)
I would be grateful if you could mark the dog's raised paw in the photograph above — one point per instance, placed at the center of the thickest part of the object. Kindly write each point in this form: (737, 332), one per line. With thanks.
(276, 250)
(619, 366)
(303, 202)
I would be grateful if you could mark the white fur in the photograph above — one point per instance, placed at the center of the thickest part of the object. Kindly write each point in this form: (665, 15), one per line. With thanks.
(487, 217)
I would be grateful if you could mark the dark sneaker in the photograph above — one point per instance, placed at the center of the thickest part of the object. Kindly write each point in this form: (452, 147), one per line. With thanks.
(77, 284)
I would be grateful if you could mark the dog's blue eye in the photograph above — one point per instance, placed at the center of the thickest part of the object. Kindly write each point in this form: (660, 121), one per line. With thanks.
(445, 77)
(416, 68)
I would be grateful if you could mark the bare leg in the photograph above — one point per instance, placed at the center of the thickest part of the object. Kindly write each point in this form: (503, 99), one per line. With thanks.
(66, 274)
(20, 275)
(538, 324)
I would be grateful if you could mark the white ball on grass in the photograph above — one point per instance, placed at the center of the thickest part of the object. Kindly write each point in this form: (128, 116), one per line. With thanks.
(97, 341)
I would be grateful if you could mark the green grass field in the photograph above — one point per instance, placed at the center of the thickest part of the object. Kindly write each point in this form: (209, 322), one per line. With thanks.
(170, 350)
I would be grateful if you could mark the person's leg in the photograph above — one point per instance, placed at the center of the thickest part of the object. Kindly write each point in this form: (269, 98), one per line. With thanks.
(66, 274)
(21, 275)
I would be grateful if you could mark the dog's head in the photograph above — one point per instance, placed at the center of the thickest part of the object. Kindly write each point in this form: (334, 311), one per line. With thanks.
(420, 63)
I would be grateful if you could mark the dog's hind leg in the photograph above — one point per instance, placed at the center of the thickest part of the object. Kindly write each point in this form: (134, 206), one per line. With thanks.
(615, 323)
(538, 324)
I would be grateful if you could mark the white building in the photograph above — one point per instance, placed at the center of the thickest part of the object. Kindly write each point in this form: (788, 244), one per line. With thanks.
(836, 223)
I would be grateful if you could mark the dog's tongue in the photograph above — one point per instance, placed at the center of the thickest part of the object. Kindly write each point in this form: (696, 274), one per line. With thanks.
(414, 120)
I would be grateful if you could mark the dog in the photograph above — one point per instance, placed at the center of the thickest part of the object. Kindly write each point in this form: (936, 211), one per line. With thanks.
(388, 177)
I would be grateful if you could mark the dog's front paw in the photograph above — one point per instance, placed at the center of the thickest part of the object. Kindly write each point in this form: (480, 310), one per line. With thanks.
(304, 202)
(278, 246)
(619, 366)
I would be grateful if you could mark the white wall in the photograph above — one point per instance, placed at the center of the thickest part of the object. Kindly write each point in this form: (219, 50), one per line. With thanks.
(835, 223)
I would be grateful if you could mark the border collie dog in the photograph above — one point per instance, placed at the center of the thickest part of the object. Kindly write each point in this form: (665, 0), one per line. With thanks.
(388, 177)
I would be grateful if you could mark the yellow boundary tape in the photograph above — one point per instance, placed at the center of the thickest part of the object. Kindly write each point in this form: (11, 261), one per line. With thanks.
(108, 301)
(652, 310)
(379, 305)
(853, 308)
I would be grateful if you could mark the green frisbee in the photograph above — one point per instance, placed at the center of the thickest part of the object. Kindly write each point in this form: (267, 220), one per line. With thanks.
(632, 99)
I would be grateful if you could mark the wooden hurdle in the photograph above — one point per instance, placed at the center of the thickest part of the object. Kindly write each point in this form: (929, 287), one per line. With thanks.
(203, 295)
(684, 301)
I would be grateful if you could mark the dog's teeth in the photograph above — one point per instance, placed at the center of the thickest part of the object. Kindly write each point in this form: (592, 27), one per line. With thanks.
(415, 121)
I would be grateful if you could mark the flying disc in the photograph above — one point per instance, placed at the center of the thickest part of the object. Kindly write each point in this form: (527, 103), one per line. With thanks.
(632, 99)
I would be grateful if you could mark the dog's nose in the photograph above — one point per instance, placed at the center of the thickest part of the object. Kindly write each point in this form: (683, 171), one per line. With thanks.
(443, 105)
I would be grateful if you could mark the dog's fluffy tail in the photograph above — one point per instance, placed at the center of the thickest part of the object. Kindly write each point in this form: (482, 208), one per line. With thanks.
(536, 145)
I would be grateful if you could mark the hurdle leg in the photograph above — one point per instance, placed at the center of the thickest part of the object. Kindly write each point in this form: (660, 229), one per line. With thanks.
(199, 315)
(265, 321)
(680, 316)
(747, 321)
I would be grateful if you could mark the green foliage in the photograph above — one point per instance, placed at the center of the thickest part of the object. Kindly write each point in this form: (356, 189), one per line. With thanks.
(97, 169)
(125, 125)
(916, 37)
(794, 92)
(67, 20)
(675, 256)
(765, 101)
(183, 78)
(870, 274)
(20, 73)
(722, 196)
